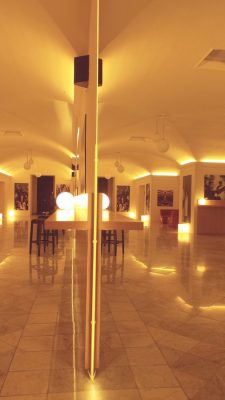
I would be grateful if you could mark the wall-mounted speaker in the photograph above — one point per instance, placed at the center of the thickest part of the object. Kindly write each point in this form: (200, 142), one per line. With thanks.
(81, 71)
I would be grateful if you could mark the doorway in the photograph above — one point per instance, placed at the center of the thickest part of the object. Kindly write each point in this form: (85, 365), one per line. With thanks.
(45, 193)
(107, 186)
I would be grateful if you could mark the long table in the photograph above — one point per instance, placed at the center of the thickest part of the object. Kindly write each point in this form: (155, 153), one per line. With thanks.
(77, 219)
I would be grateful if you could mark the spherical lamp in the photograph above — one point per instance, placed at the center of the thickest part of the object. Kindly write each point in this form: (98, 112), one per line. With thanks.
(65, 201)
(163, 145)
(105, 201)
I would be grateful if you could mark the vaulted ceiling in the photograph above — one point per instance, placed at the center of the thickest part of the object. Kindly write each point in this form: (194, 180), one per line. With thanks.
(153, 80)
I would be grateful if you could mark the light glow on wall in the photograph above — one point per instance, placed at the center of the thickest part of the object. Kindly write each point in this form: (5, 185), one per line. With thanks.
(145, 219)
(11, 214)
(201, 269)
(159, 173)
(202, 202)
(184, 228)
(132, 215)
(65, 201)
(1, 216)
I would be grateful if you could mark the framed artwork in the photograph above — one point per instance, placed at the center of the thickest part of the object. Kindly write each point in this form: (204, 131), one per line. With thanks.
(186, 203)
(62, 187)
(165, 198)
(147, 198)
(214, 187)
(123, 198)
(21, 196)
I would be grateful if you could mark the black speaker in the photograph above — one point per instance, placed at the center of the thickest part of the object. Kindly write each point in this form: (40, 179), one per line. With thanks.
(81, 71)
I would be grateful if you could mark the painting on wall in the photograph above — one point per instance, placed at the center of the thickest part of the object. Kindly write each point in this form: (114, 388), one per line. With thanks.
(147, 198)
(62, 187)
(21, 196)
(165, 198)
(123, 198)
(186, 203)
(214, 187)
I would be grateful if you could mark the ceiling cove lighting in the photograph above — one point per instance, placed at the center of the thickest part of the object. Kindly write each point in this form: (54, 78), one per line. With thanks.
(213, 161)
(187, 161)
(143, 176)
(159, 173)
(2, 171)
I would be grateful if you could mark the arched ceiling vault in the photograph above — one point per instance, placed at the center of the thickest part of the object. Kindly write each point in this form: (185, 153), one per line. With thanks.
(153, 55)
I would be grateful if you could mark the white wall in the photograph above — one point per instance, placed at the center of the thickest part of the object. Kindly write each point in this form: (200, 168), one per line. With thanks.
(156, 183)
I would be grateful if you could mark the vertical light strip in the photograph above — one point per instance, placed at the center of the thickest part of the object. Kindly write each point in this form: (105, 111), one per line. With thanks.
(95, 228)
(73, 321)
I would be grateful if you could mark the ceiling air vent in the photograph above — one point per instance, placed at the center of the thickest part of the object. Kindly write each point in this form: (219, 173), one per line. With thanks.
(215, 59)
(138, 139)
(12, 133)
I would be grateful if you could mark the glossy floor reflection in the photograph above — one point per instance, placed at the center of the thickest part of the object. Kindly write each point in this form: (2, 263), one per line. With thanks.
(163, 318)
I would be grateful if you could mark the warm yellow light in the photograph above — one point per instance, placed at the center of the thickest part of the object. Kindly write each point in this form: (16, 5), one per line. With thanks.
(145, 219)
(105, 215)
(65, 201)
(143, 176)
(143, 265)
(187, 161)
(11, 213)
(64, 215)
(164, 269)
(1, 216)
(202, 202)
(183, 237)
(2, 171)
(219, 307)
(213, 161)
(105, 201)
(81, 200)
(184, 228)
(158, 173)
(183, 303)
(132, 214)
(201, 268)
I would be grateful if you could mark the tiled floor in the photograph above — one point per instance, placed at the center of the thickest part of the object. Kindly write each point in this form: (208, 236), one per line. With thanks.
(163, 319)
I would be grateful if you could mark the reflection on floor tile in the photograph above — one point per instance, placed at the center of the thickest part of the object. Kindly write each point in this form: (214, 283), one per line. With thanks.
(162, 327)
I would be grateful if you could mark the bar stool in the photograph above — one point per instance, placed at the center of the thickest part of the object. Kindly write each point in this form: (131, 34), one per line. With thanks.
(39, 223)
(110, 237)
(42, 235)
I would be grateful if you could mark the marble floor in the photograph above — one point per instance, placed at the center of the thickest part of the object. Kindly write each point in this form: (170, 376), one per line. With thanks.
(162, 318)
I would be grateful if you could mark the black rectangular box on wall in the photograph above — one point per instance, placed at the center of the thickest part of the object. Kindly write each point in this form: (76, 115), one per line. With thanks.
(81, 71)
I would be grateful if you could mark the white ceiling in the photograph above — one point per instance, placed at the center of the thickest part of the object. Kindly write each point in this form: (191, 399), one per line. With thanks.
(151, 51)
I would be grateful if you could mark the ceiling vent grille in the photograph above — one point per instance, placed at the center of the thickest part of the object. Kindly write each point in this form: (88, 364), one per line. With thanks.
(12, 133)
(138, 139)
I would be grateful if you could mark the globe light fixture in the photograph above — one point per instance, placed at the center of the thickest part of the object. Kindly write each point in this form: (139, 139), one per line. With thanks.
(105, 201)
(65, 201)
